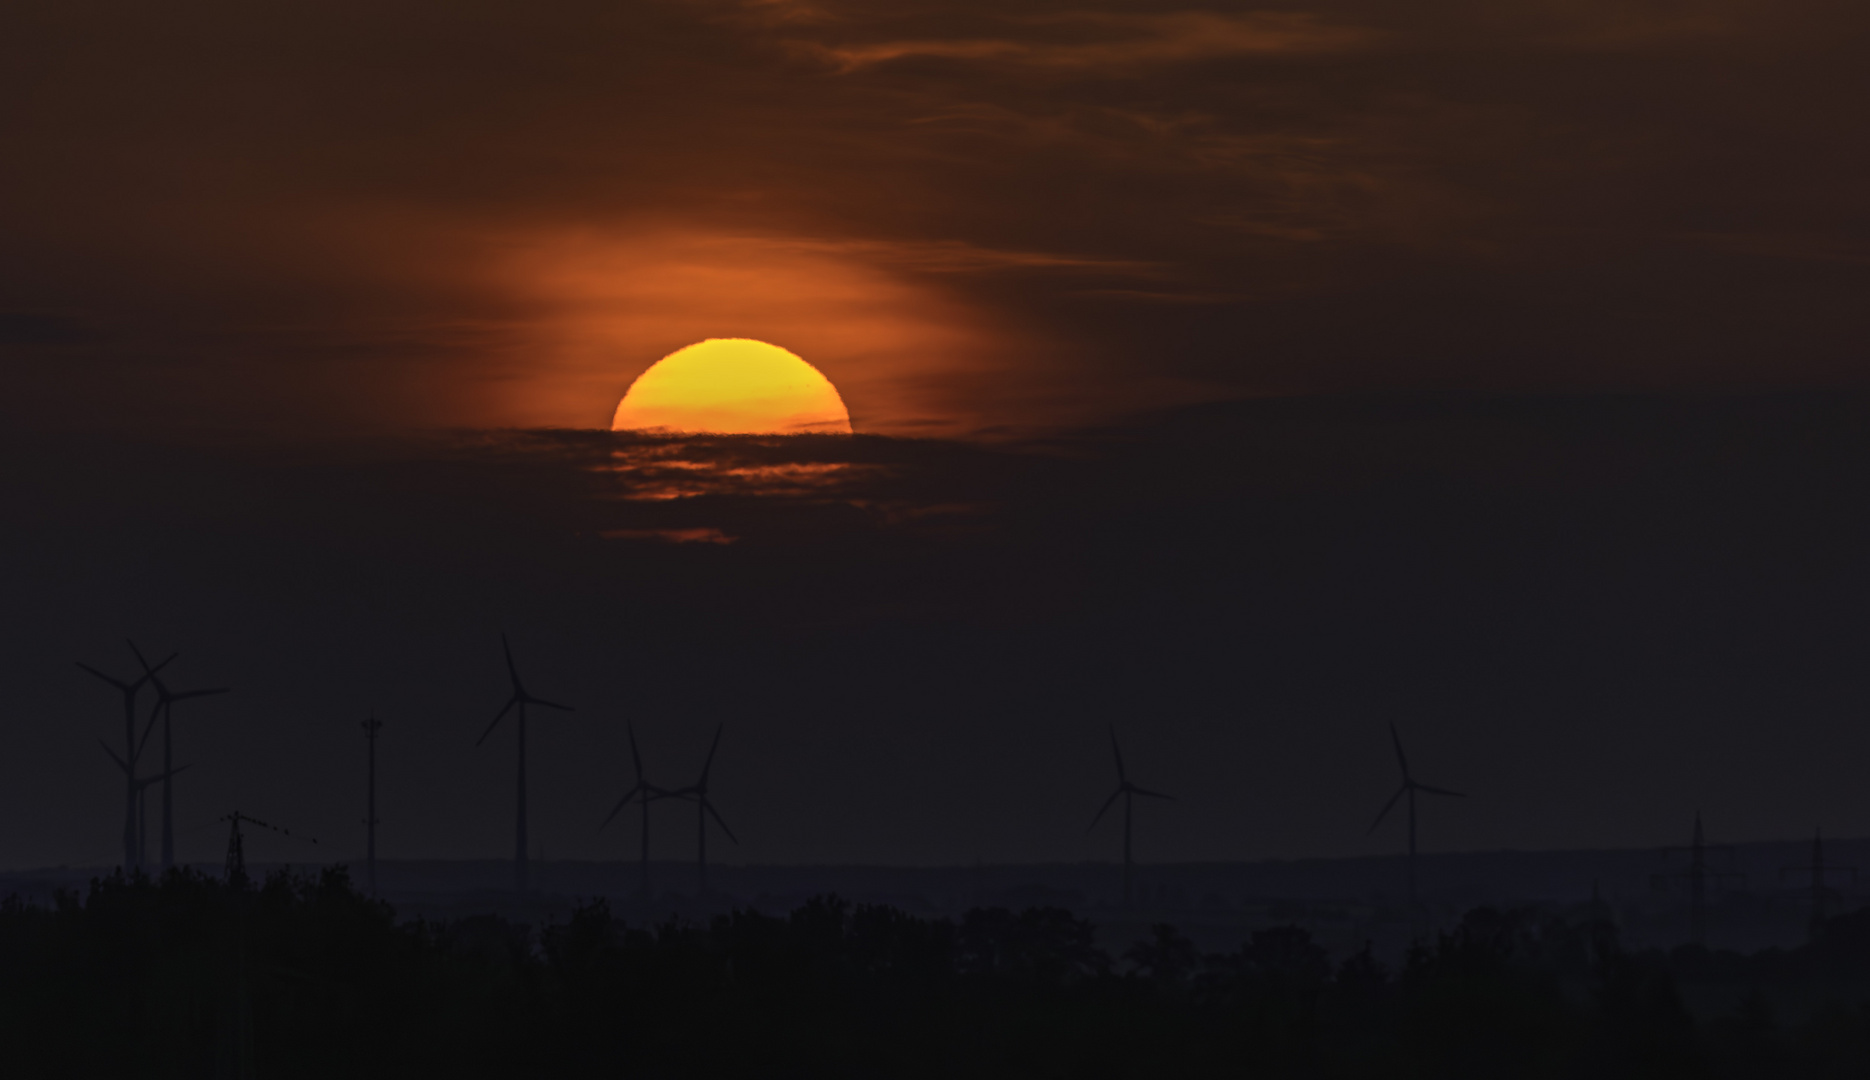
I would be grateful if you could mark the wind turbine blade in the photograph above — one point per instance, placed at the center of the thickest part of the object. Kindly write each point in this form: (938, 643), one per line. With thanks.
(512, 669)
(621, 803)
(709, 764)
(1152, 794)
(150, 673)
(101, 675)
(1400, 759)
(185, 695)
(1101, 809)
(510, 702)
(1118, 754)
(1387, 807)
(113, 755)
(635, 757)
(160, 777)
(1438, 791)
(718, 820)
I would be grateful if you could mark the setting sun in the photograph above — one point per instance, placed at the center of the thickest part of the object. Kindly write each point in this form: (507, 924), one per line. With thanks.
(733, 386)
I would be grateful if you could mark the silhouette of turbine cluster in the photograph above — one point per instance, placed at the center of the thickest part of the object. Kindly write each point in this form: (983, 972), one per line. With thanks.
(643, 792)
(1128, 792)
(1699, 875)
(135, 817)
(138, 780)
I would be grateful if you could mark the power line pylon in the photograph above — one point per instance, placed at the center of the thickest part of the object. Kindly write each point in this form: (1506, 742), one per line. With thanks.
(1820, 888)
(1699, 876)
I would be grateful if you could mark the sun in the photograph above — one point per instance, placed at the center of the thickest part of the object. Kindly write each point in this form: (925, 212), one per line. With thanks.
(732, 386)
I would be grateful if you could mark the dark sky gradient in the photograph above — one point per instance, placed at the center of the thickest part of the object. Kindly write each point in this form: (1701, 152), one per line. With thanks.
(1272, 374)
(1594, 614)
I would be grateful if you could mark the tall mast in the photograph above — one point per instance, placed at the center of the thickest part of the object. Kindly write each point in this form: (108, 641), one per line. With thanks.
(519, 832)
(371, 727)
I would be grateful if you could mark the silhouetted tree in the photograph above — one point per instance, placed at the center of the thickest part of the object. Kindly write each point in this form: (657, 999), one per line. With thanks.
(133, 979)
(1166, 957)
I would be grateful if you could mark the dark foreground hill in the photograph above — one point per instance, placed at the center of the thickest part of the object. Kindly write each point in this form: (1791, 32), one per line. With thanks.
(304, 976)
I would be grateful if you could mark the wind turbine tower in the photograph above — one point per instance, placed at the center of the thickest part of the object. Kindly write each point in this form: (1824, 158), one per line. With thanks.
(1409, 788)
(129, 690)
(519, 700)
(142, 809)
(704, 809)
(371, 727)
(164, 707)
(142, 801)
(645, 793)
(1127, 792)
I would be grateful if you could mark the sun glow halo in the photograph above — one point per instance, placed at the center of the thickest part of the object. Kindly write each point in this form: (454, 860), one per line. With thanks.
(732, 386)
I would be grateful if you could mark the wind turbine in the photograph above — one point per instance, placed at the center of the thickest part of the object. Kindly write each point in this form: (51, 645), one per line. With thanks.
(131, 859)
(1409, 788)
(142, 791)
(165, 707)
(1128, 792)
(142, 809)
(645, 793)
(521, 699)
(704, 809)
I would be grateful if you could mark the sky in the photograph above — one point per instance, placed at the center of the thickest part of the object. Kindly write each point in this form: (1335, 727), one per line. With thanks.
(1244, 379)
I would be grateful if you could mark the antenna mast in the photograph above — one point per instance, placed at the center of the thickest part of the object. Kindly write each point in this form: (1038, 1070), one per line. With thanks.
(371, 727)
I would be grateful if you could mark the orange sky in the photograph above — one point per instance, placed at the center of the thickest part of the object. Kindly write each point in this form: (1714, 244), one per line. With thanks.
(973, 218)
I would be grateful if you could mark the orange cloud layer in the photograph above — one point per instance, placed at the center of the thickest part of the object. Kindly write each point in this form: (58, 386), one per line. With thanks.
(1117, 41)
(904, 356)
(971, 216)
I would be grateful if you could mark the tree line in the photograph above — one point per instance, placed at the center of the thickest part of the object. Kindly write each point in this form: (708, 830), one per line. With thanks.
(305, 976)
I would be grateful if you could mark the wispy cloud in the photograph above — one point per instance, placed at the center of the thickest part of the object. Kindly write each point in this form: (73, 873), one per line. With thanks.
(699, 535)
(663, 470)
(959, 257)
(1166, 296)
(1100, 40)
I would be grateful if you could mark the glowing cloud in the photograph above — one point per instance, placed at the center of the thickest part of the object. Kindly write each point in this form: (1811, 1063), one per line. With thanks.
(732, 386)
